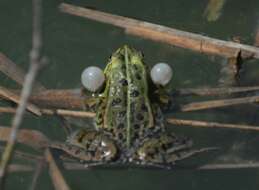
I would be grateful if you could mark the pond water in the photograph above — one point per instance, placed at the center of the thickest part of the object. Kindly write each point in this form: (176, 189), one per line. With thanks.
(73, 43)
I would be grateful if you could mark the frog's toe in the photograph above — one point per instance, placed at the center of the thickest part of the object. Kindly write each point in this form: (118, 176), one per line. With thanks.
(183, 154)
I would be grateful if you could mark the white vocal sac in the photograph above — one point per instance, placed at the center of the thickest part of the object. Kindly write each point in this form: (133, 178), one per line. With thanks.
(161, 74)
(92, 78)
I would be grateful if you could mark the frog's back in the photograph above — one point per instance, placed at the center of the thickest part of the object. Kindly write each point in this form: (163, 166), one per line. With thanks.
(124, 108)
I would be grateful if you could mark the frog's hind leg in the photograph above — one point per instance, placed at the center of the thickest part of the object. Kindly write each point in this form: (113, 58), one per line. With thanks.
(88, 146)
(165, 150)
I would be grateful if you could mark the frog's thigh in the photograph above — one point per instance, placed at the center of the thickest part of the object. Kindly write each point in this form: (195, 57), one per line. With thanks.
(163, 149)
(91, 145)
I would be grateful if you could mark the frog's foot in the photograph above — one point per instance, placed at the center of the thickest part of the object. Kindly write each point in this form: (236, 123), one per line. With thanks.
(166, 150)
(88, 146)
(172, 157)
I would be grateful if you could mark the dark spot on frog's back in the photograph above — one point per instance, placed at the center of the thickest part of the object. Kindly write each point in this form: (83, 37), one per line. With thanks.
(116, 101)
(144, 107)
(120, 136)
(138, 76)
(136, 126)
(121, 114)
(135, 67)
(123, 67)
(121, 125)
(124, 82)
(134, 93)
(139, 117)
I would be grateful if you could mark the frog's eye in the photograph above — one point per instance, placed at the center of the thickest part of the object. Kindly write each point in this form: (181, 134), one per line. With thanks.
(92, 78)
(161, 74)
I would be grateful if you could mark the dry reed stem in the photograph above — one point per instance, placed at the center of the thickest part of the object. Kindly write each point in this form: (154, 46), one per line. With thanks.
(196, 42)
(217, 103)
(36, 62)
(195, 123)
(9, 95)
(10, 69)
(56, 176)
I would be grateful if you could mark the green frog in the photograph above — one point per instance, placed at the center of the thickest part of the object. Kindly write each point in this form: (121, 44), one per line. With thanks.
(129, 125)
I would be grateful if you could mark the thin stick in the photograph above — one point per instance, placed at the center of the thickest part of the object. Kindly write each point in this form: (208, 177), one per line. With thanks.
(19, 168)
(61, 112)
(6, 94)
(35, 64)
(78, 166)
(10, 69)
(33, 138)
(72, 99)
(202, 44)
(229, 166)
(69, 98)
(56, 176)
(195, 123)
(24, 155)
(256, 41)
(218, 103)
(36, 175)
(215, 91)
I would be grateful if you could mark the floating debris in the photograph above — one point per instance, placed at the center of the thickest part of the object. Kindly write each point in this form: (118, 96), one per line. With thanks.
(213, 10)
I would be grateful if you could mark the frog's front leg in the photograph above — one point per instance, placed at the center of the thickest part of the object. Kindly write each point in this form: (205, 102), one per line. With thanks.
(88, 146)
(166, 150)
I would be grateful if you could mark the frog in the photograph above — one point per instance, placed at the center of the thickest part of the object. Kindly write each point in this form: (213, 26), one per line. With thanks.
(128, 126)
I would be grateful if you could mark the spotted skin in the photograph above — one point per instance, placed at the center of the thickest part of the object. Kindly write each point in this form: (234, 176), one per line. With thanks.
(129, 125)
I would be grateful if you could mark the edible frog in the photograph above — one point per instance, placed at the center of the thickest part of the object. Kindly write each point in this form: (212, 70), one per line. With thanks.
(129, 126)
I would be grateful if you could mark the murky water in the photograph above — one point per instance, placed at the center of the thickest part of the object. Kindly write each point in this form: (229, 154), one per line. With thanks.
(72, 43)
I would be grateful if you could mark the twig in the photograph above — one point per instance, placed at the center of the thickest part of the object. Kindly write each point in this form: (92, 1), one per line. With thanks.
(194, 123)
(61, 112)
(35, 63)
(217, 103)
(215, 91)
(72, 98)
(69, 98)
(256, 41)
(19, 168)
(10, 69)
(229, 166)
(57, 178)
(164, 34)
(78, 166)
(33, 138)
(6, 94)
(36, 175)
(24, 155)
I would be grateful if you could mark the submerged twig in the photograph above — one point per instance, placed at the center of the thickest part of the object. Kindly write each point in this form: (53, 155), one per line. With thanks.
(9, 95)
(10, 69)
(56, 176)
(60, 112)
(19, 168)
(218, 103)
(195, 123)
(33, 138)
(215, 91)
(24, 155)
(36, 62)
(245, 165)
(36, 175)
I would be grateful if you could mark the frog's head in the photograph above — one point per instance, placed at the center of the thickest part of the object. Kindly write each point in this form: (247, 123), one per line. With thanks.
(126, 63)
